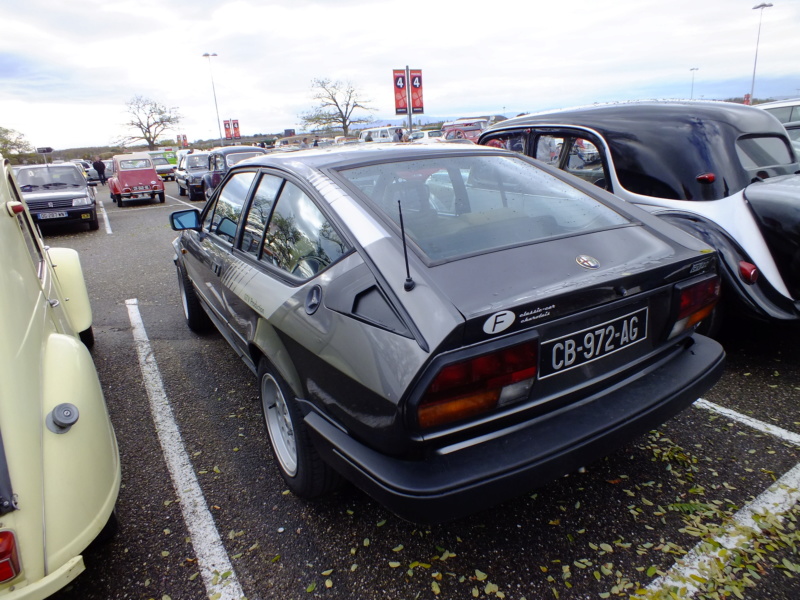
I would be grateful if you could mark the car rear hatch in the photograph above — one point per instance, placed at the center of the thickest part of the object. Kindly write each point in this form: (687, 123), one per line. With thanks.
(587, 310)
(138, 179)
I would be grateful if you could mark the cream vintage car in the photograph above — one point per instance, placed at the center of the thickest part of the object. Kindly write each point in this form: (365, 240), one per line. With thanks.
(59, 462)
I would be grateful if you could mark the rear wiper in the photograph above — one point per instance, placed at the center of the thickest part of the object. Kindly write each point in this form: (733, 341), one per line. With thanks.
(54, 184)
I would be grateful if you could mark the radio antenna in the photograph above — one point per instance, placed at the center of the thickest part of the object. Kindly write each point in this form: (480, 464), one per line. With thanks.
(409, 284)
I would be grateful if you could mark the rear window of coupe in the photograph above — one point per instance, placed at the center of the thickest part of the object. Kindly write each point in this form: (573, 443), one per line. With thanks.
(453, 207)
(137, 163)
(237, 157)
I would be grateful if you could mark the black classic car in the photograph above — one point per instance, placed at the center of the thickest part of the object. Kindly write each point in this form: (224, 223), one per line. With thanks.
(220, 160)
(724, 172)
(444, 325)
(189, 174)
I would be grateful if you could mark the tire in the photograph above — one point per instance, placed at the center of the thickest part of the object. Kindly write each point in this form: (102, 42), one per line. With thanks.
(161, 197)
(120, 201)
(301, 466)
(196, 317)
(87, 337)
(94, 224)
(181, 191)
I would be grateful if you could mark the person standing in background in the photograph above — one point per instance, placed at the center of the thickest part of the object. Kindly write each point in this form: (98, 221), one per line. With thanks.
(100, 167)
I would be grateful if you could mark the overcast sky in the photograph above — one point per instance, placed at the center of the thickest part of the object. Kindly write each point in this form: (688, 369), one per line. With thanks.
(67, 69)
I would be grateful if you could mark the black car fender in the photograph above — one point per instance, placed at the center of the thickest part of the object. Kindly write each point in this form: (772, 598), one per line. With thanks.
(761, 297)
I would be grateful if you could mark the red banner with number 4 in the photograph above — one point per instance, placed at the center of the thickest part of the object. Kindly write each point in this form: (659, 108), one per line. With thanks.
(400, 101)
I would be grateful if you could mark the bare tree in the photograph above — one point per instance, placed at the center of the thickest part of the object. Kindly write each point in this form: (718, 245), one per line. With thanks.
(149, 120)
(13, 142)
(337, 102)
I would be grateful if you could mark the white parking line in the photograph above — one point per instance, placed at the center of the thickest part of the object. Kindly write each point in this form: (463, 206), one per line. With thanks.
(105, 216)
(778, 432)
(709, 557)
(212, 559)
(189, 204)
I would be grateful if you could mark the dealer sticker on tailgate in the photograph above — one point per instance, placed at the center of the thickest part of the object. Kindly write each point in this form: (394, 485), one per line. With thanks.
(592, 343)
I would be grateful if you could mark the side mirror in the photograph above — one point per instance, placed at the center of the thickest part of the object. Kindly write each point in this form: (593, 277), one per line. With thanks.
(185, 219)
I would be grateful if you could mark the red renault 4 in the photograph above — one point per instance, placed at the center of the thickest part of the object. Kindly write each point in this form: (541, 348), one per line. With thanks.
(135, 178)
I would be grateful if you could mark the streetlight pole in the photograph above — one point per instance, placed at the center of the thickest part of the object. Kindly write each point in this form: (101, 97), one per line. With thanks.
(213, 89)
(693, 69)
(760, 8)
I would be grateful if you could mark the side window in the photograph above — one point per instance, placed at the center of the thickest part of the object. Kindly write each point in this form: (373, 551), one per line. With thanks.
(783, 114)
(259, 212)
(510, 141)
(584, 161)
(28, 233)
(299, 239)
(225, 217)
(548, 148)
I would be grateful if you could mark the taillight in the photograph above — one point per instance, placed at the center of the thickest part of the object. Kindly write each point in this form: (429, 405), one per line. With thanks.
(9, 556)
(696, 302)
(470, 387)
(706, 178)
(748, 272)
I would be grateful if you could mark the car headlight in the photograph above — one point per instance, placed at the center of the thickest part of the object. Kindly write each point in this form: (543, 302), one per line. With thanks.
(82, 201)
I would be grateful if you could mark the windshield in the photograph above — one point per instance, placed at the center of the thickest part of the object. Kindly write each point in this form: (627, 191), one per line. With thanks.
(232, 159)
(51, 177)
(160, 161)
(458, 206)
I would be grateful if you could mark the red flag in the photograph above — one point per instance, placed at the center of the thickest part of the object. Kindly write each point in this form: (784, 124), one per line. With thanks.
(400, 101)
(416, 91)
(235, 124)
(226, 124)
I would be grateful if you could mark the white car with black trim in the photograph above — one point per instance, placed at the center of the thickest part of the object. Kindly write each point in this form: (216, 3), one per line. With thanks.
(724, 172)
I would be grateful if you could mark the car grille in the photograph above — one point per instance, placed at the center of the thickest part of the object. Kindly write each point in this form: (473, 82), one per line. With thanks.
(42, 204)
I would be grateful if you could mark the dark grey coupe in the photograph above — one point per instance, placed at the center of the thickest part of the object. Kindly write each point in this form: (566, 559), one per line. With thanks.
(445, 326)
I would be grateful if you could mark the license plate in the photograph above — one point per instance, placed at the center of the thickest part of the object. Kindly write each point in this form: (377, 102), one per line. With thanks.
(141, 187)
(592, 343)
(52, 215)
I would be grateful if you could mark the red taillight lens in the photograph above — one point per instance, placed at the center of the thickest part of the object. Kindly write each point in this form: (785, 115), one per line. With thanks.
(707, 178)
(748, 272)
(9, 556)
(696, 302)
(471, 387)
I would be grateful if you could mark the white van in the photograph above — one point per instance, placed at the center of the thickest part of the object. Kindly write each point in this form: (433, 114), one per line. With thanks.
(379, 134)
(784, 110)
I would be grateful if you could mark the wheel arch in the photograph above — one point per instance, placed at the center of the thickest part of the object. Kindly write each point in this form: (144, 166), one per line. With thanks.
(267, 343)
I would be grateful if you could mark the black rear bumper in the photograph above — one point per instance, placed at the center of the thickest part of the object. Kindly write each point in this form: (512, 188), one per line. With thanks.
(466, 478)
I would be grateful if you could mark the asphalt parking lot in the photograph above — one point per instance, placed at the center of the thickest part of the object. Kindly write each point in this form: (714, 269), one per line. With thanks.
(704, 507)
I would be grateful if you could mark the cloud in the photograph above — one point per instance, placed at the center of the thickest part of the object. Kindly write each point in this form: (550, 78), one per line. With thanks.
(66, 72)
